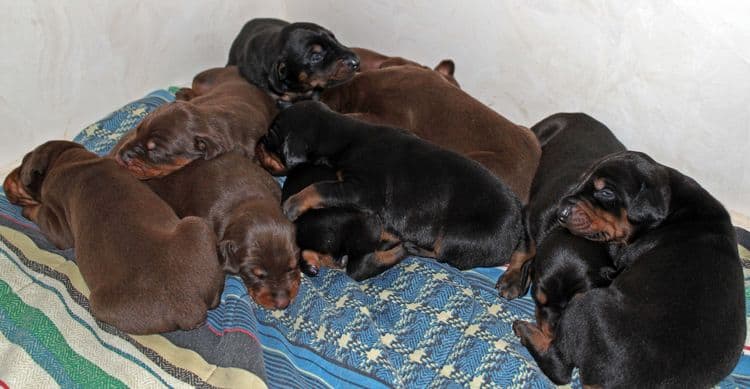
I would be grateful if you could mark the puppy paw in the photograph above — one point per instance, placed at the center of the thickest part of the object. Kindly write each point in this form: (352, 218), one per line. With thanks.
(510, 285)
(520, 327)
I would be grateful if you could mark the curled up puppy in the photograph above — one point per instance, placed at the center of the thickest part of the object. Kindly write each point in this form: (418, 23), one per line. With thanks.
(241, 202)
(148, 271)
(220, 113)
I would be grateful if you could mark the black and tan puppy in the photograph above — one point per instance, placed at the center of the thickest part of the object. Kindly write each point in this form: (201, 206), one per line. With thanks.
(432, 202)
(240, 200)
(291, 61)
(674, 316)
(338, 237)
(565, 264)
(148, 271)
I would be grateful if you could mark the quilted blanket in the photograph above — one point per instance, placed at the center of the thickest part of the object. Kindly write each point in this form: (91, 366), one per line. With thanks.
(420, 324)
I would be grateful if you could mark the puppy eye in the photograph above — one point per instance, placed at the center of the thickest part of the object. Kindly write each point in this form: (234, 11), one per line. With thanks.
(605, 194)
(259, 273)
(316, 57)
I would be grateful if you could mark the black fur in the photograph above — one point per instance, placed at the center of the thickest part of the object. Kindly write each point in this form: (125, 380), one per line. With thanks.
(346, 234)
(284, 60)
(438, 203)
(565, 264)
(674, 316)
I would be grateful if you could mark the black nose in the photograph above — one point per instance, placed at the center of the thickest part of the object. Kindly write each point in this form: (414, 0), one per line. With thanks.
(352, 63)
(563, 213)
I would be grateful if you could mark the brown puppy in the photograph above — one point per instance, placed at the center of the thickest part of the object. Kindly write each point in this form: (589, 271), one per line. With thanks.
(242, 202)
(147, 270)
(222, 112)
(372, 60)
(401, 93)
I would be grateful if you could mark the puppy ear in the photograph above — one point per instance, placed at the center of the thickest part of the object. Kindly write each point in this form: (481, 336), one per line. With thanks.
(33, 170)
(208, 147)
(651, 205)
(446, 67)
(281, 71)
(227, 249)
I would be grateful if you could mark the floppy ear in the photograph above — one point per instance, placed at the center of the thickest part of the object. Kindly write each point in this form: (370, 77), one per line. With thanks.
(33, 170)
(226, 249)
(446, 67)
(280, 70)
(651, 205)
(208, 146)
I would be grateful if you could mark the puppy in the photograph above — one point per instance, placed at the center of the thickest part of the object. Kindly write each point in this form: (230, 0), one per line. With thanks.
(291, 61)
(401, 93)
(466, 217)
(147, 270)
(334, 237)
(680, 276)
(240, 200)
(371, 60)
(221, 113)
(565, 264)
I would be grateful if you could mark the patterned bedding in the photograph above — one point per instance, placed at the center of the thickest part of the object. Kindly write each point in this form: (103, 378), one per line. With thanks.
(420, 324)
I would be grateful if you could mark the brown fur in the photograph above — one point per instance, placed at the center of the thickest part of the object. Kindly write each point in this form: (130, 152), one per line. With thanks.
(424, 101)
(600, 225)
(222, 112)
(241, 201)
(148, 271)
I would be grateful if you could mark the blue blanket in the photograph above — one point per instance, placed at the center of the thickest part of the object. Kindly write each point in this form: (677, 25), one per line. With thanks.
(419, 324)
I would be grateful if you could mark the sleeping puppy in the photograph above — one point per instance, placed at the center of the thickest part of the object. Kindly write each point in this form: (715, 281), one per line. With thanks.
(429, 103)
(333, 237)
(674, 316)
(565, 264)
(147, 270)
(221, 113)
(370, 60)
(291, 61)
(458, 213)
(241, 201)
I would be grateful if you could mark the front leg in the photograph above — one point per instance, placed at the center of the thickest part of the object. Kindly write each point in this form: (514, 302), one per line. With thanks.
(322, 194)
(56, 230)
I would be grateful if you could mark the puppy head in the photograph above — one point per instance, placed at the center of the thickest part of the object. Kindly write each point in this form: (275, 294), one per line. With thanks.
(263, 252)
(619, 195)
(23, 185)
(310, 59)
(293, 137)
(167, 139)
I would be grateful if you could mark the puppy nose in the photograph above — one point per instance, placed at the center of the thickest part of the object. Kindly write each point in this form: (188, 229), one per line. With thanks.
(281, 302)
(563, 213)
(352, 63)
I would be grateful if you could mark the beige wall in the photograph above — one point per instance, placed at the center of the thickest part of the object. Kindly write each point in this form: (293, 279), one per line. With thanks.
(671, 78)
(65, 64)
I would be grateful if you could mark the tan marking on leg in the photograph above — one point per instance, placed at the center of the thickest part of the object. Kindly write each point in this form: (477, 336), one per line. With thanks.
(391, 256)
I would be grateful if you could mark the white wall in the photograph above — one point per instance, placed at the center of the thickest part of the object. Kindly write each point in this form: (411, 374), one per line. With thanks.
(671, 78)
(65, 64)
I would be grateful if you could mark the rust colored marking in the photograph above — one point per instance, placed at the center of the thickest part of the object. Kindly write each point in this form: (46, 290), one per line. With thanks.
(391, 256)
(315, 258)
(532, 337)
(613, 228)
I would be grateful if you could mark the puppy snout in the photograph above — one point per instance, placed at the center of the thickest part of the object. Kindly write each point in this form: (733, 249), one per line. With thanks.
(280, 300)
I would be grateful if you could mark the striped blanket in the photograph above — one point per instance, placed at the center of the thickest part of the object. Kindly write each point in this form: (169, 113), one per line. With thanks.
(419, 324)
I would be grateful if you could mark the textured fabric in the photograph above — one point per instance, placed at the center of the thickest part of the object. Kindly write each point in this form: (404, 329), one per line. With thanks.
(420, 324)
